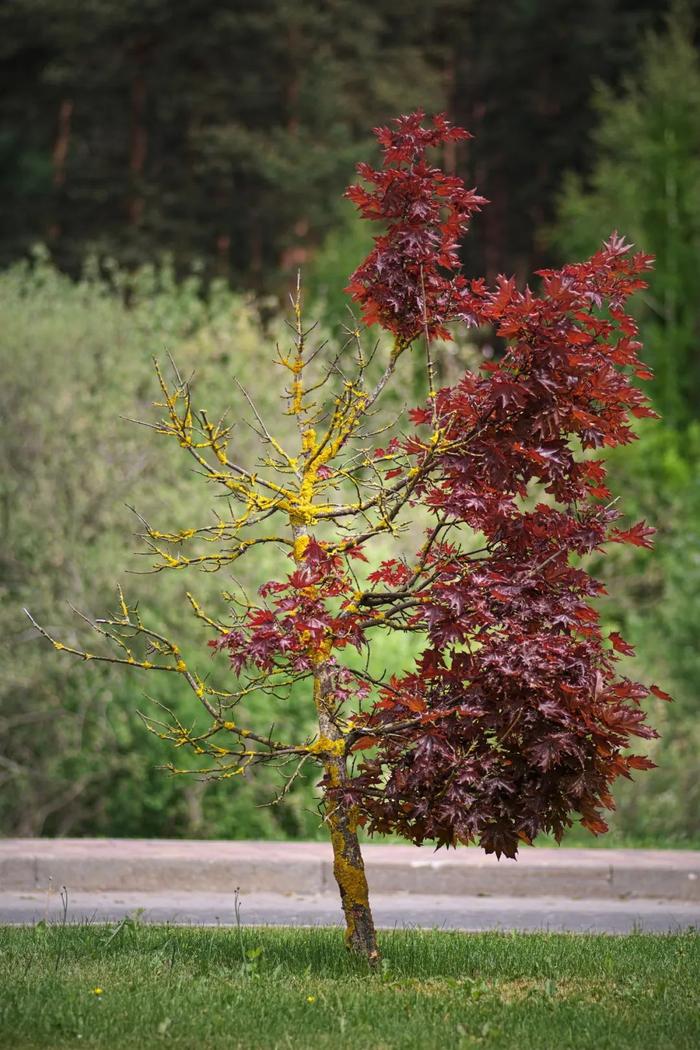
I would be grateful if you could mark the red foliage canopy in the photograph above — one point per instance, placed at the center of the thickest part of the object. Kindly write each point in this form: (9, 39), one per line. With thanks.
(402, 283)
(514, 716)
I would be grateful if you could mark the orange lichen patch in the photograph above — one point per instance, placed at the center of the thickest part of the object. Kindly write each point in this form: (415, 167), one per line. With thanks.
(308, 441)
(297, 395)
(332, 771)
(317, 452)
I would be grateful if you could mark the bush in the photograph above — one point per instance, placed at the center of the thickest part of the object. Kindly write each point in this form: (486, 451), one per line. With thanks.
(656, 603)
(74, 751)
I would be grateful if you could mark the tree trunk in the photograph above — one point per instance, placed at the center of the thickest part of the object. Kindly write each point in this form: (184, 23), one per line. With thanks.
(349, 871)
(137, 148)
(62, 142)
(340, 816)
(348, 866)
(59, 156)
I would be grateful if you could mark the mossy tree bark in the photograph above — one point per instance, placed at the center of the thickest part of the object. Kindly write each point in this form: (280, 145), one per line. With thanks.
(341, 818)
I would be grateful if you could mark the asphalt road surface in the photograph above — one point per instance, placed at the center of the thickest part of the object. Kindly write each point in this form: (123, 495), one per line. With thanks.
(402, 910)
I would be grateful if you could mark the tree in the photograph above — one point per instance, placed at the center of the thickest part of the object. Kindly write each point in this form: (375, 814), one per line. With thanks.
(513, 716)
(128, 135)
(125, 132)
(522, 80)
(646, 173)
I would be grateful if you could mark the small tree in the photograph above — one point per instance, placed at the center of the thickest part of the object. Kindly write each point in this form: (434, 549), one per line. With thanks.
(513, 717)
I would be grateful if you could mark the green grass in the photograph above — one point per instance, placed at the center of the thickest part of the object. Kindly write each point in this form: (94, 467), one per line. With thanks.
(297, 989)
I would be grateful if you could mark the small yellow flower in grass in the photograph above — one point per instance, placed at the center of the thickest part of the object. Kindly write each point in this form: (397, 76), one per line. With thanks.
(98, 991)
(311, 998)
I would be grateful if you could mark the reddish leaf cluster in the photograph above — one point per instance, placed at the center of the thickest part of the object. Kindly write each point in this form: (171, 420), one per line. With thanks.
(514, 717)
(287, 631)
(402, 283)
(522, 718)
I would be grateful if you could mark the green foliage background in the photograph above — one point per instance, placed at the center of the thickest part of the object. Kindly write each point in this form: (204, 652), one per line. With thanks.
(75, 757)
(75, 357)
(645, 181)
(227, 132)
(75, 360)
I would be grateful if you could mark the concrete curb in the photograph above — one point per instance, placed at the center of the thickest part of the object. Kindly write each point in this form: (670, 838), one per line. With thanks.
(92, 865)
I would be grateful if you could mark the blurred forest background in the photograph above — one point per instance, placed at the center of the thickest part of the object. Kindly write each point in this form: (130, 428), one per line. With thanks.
(165, 168)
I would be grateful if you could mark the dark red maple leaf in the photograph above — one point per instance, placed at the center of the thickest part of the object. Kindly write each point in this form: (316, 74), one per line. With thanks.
(619, 644)
(639, 535)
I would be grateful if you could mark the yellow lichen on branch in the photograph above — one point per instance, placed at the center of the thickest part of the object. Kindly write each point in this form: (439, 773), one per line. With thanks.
(325, 746)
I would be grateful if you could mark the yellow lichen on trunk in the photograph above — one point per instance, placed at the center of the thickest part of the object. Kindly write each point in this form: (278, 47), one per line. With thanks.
(342, 820)
(349, 869)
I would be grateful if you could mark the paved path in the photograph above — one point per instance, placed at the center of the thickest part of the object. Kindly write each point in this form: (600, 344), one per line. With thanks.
(291, 883)
(395, 910)
(95, 865)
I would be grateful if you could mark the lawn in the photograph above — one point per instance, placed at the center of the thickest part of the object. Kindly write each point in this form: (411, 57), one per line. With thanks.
(132, 985)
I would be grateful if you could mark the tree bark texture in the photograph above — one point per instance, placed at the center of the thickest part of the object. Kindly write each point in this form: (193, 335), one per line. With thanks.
(341, 818)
